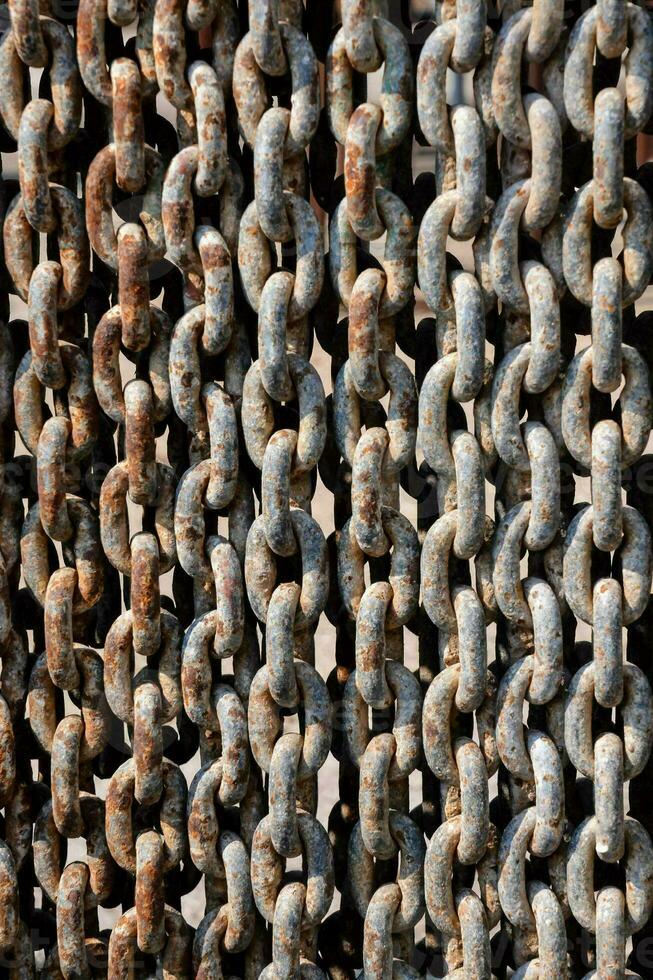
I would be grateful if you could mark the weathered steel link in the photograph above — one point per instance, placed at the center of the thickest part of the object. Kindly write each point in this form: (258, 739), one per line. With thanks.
(265, 257)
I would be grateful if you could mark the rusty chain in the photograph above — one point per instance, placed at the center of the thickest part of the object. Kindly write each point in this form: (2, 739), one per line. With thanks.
(325, 520)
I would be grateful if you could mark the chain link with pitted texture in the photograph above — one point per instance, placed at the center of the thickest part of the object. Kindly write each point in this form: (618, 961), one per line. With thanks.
(326, 506)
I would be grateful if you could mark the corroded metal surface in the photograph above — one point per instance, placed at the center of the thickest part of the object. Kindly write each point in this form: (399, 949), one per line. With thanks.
(325, 396)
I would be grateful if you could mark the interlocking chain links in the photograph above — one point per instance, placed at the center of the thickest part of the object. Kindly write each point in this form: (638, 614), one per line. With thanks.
(284, 427)
(209, 358)
(606, 446)
(528, 492)
(387, 752)
(461, 696)
(208, 402)
(181, 168)
(55, 365)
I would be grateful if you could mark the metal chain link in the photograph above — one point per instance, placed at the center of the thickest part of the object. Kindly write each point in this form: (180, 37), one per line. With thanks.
(325, 519)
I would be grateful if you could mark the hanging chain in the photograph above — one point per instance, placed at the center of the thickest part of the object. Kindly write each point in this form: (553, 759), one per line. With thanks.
(325, 519)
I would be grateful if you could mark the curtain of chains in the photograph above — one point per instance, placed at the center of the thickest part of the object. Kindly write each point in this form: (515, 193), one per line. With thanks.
(324, 407)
